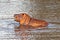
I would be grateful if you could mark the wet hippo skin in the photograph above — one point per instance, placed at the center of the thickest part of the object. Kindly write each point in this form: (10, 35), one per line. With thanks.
(25, 19)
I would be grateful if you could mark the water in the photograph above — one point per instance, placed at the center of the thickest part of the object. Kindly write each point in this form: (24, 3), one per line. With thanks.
(9, 30)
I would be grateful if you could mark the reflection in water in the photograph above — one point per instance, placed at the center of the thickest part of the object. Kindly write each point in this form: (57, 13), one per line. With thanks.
(24, 32)
(9, 29)
(24, 27)
(20, 32)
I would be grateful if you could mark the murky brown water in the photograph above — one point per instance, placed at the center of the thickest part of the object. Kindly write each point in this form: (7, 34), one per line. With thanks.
(9, 30)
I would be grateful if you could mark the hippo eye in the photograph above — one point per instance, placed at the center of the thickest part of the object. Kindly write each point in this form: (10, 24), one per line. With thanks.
(22, 14)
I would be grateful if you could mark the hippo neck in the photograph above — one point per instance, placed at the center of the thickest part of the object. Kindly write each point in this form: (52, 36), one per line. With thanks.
(27, 21)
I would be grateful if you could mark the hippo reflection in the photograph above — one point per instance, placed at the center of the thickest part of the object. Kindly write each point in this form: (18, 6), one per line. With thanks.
(21, 32)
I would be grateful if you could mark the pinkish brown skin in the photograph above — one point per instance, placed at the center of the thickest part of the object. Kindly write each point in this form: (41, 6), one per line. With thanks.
(25, 19)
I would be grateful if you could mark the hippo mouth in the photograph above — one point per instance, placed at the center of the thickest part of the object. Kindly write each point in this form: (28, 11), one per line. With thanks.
(15, 19)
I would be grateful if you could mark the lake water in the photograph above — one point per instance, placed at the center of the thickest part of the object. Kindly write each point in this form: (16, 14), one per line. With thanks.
(8, 31)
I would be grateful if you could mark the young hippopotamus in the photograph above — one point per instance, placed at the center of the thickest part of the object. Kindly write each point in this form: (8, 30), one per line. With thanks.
(25, 19)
